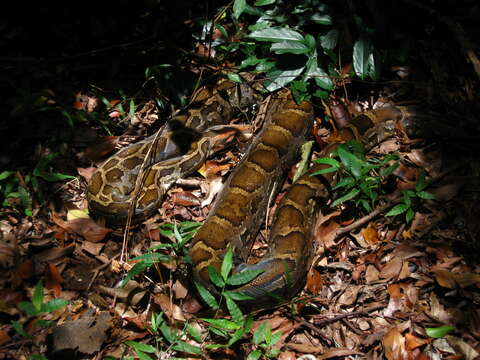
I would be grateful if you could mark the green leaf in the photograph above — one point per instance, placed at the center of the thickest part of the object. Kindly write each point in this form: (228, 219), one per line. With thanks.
(37, 357)
(215, 277)
(276, 34)
(260, 333)
(361, 53)
(311, 43)
(194, 333)
(141, 347)
(222, 30)
(277, 79)
(142, 356)
(388, 170)
(254, 355)
(421, 183)
(227, 264)
(322, 79)
(54, 304)
(206, 296)
(237, 335)
(365, 204)
(346, 182)
(223, 324)
(324, 171)
(350, 161)
(138, 268)
(374, 66)
(425, 195)
(238, 8)
(221, 333)
(168, 333)
(37, 298)
(234, 311)
(322, 19)
(328, 161)
(329, 40)
(407, 199)
(409, 215)
(153, 258)
(243, 277)
(264, 2)
(185, 347)
(397, 210)
(234, 77)
(237, 295)
(289, 47)
(5, 174)
(19, 329)
(45, 323)
(27, 307)
(275, 338)
(349, 196)
(440, 332)
(305, 152)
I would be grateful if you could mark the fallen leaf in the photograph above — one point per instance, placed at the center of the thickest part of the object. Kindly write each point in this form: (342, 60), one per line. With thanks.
(86, 173)
(412, 342)
(101, 148)
(87, 228)
(4, 337)
(53, 280)
(394, 345)
(185, 198)
(350, 295)
(77, 214)
(26, 269)
(391, 269)
(337, 352)
(370, 235)
(314, 281)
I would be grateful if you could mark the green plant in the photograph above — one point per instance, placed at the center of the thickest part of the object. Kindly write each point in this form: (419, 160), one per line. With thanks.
(13, 186)
(179, 234)
(265, 340)
(408, 196)
(361, 178)
(294, 43)
(38, 307)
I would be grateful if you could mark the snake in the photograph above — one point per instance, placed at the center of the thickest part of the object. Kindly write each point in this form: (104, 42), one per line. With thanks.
(139, 175)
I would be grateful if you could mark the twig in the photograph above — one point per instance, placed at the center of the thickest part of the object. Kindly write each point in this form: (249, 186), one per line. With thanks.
(346, 315)
(367, 218)
(315, 329)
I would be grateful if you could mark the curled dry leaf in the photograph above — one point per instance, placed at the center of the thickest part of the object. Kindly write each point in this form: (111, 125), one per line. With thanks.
(339, 352)
(394, 345)
(412, 342)
(53, 280)
(370, 235)
(185, 198)
(314, 281)
(87, 228)
(391, 269)
(171, 310)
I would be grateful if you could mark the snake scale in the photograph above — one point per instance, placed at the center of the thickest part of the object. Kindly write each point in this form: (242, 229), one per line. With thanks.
(240, 208)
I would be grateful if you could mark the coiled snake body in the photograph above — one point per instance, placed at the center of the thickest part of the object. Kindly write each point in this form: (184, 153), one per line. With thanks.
(240, 208)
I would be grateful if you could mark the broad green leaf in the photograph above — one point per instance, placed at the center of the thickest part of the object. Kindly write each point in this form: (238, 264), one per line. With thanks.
(250, 61)
(142, 356)
(409, 215)
(37, 298)
(194, 333)
(152, 258)
(322, 19)
(289, 47)
(311, 43)
(238, 8)
(138, 268)
(397, 210)
(365, 204)
(142, 347)
(215, 277)
(260, 333)
(350, 161)
(264, 65)
(168, 333)
(329, 40)
(254, 355)
(234, 77)
(349, 196)
(221, 333)
(421, 183)
(185, 347)
(227, 264)
(324, 171)
(322, 79)
(328, 161)
(305, 152)
(388, 170)
(234, 311)
(206, 296)
(277, 79)
(361, 53)
(276, 34)
(214, 346)
(223, 324)
(222, 30)
(275, 338)
(19, 329)
(264, 2)
(54, 304)
(243, 277)
(425, 195)
(28, 308)
(440, 332)
(346, 182)
(237, 335)
(236, 295)
(45, 323)
(5, 174)
(407, 199)
(374, 66)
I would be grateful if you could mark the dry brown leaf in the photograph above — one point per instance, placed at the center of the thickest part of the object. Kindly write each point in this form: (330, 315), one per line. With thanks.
(445, 279)
(391, 269)
(92, 248)
(179, 290)
(287, 355)
(350, 295)
(468, 352)
(53, 280)
(372, 274)
(305, 348)
(314, 281)
(4, 337)
(370, 235)
(86, 173)
(185, 198)
(394, 345)
(326, 233)
(171, 310)
(87, 228)
(412, 342)
(26, 269)
(332, 353)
